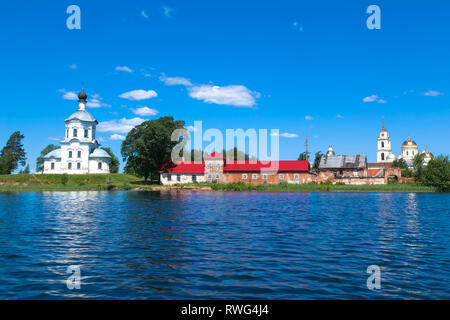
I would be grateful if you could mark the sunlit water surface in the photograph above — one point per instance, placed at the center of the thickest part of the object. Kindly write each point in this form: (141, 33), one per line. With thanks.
(201, 245)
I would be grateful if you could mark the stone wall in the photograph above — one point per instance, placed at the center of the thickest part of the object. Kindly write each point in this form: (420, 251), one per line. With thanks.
(270, 178)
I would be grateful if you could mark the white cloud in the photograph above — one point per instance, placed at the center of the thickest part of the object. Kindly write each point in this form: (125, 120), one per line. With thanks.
(96, 103)
(55, 138)
(139, 94)
(308, 118)
(167, 11)
(284, 135)
(433, 93)
(288, 135)
(233, 95)
(124, 69)
(120, 126)
(73, 66)
(374, 98)
(68, 95)
(173, 81)
(340, 116)
(145, 111)
(371, 98)
(144, 14)
(116, 136)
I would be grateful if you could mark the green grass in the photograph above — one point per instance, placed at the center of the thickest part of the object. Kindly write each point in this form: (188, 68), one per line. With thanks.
(42, 182)
(311, 187)
(46, 182)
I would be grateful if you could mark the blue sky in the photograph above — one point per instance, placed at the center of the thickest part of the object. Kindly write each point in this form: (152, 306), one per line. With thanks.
(304, 67)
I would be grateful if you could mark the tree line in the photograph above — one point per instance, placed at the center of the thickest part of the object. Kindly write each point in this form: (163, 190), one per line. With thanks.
(436, 173)
(149, 145)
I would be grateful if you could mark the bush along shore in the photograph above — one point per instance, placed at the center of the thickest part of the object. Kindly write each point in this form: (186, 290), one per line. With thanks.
(64, 182)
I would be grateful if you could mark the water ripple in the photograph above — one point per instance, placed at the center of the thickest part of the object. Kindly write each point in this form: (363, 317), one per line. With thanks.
(219, 245)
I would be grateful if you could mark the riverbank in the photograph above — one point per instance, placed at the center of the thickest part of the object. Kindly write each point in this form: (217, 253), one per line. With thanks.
(101, 182)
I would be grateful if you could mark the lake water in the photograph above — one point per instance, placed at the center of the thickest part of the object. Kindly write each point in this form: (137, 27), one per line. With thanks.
(203, 245)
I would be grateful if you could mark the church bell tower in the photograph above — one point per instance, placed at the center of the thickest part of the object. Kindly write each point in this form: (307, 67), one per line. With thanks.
(384, 145)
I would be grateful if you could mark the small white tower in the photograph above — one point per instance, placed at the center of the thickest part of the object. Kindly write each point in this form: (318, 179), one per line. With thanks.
(330, 151)
(384, 145)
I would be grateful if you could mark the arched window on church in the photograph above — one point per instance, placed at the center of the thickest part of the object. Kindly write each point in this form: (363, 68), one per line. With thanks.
(382, 144)
(75, 132)
(86, 133)
(382, 156)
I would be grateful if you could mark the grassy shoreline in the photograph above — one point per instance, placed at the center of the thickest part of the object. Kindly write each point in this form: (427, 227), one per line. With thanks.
(99, 182)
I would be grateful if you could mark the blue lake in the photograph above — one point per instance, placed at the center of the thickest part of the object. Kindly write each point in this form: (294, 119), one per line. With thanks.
(203, 245)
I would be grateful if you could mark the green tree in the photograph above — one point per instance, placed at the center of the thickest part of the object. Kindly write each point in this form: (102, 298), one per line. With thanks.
(418, 166)
(12, 154)
(235, 154)
(114, 162)
(399, 163)
(148, 146)
(303, 156)
(196, 155)
(25, 170)
(437, 173)
(318, 156)
(40, 160)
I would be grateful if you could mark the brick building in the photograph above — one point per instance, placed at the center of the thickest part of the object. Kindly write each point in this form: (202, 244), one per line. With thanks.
(217, 168)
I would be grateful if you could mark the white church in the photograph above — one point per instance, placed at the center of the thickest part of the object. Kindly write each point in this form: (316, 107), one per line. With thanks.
(79, 152)
(409, 149)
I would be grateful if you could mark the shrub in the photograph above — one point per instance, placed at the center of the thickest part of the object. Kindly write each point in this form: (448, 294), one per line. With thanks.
(126, 186)
(283, 185)
(64, 178)
(437, 174)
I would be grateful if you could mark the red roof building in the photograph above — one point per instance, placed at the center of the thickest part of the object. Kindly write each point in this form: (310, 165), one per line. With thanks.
(216, 168)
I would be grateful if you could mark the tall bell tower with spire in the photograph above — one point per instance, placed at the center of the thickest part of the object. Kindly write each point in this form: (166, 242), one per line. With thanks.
(384, 145)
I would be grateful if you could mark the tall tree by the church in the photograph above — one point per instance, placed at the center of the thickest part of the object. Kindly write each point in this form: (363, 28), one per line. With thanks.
(148, 146)
(317, 158)
(40, 160)
(235, 155)
(12, 154)
(303, 156)
(114, 162)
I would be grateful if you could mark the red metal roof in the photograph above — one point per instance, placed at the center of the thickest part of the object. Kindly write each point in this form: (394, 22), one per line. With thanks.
(184, 167)
(284, 166)
(239, 166)
(214, 155)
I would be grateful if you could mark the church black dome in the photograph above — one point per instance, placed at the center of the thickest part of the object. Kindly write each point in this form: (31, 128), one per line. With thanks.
(82, 95)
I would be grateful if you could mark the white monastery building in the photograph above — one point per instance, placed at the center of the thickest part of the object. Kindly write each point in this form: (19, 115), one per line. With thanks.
(409, 149)
(79, 152)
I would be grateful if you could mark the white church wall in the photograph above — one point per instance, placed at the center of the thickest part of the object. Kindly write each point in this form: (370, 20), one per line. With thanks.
(93, 166)
(184, 178)
(48, 166)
